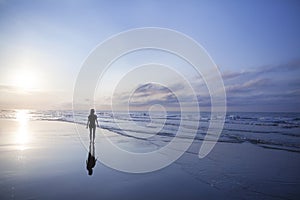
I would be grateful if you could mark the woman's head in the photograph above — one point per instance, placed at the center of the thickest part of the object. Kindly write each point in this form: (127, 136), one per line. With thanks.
(92, 111)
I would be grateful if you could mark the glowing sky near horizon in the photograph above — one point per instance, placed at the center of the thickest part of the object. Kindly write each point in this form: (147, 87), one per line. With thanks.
(254, 43)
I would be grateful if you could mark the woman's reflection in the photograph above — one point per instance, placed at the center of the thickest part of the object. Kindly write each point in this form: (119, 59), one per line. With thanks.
(91, 161)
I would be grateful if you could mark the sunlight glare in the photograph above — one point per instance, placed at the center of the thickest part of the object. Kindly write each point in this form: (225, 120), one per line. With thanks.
(22, 137)
(22, 116)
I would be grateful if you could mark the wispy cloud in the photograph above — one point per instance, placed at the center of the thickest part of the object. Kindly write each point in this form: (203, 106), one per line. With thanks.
(17, 90)
(262, 88)
(247, 86)
(17, 97)
(231, 75)
(293, 65)
(149, 94)
(272, 86)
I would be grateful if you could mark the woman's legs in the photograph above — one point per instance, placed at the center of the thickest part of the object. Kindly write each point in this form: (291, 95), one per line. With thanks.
(94, 130)
(90, 134)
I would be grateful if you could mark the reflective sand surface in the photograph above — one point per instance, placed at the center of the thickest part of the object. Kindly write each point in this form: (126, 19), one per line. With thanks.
(46, 160)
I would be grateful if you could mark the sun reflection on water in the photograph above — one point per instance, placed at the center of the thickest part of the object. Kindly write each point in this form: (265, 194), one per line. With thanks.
(22, 137)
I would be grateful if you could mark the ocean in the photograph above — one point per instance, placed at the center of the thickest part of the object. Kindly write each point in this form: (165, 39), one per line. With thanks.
(268, 130)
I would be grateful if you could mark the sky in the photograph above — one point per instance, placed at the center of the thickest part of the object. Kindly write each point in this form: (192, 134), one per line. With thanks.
(255, 45)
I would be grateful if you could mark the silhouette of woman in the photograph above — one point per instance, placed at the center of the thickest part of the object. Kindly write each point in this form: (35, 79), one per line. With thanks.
(91, 123)
(91, 161)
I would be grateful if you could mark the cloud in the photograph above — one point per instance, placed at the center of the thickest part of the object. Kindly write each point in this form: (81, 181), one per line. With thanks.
(16, 97)
(267, 88)
(231, 75)
(9, 88)
(256, 84)
(150, 94)
(293, 65)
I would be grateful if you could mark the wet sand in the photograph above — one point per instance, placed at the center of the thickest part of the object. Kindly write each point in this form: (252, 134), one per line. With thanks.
(46, 160)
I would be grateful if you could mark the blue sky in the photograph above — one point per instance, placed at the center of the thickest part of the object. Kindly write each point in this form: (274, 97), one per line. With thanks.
(255, 44)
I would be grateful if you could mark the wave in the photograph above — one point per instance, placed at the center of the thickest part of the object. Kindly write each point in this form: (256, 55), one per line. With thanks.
(276, 130)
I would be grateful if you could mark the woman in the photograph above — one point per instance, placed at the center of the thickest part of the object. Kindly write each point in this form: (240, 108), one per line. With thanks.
(91, 123)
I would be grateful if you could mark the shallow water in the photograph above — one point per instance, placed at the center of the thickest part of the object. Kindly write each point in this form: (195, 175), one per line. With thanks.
(268, 130)
(51, 164)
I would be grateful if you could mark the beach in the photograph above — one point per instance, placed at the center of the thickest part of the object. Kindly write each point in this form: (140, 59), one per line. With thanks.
(50, 163)
(149, 100)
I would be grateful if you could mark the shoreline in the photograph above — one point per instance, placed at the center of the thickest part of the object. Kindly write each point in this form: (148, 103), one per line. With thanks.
(251, 141)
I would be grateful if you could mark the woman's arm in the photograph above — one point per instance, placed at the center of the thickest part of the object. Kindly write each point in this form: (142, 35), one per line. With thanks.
(97, 122)
(87, 124)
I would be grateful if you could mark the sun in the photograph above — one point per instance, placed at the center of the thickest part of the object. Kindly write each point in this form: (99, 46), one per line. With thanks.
(25, 80)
